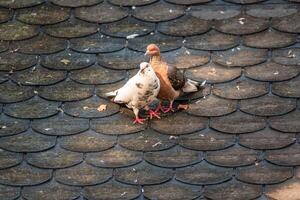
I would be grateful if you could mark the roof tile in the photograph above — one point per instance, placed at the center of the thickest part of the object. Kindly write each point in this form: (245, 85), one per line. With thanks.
(3, 46)
(214, 12)
(43, 14)
(24, 175)
(42, 44)
(240, 89)
(188, 2)
(288, 56)
(288, 88)
(51, 190)
(286, 123)
(12, 126)
(66, 91)
(10, 61)
(9, 193)
(172, 191)
(76, 3)
(14, 92)
(60, 125)
(20, 3)
(206, 140)
(112, 190)
(271, 10)
(266, 139)
(101, 13)
(174, 157)
(17, 31)
(132, 2)
(5, 15)
(143, 174)
(82, 175)
(28, 141)
(244, 1)
(164, 12)
(203, 174)
(287, 190)
(147, 140)
(32, 108)
(4, 76)
(287, 24)
(114, 157)
(9, 159)
(233, 190)
(88, 141)
(68, 60)
(289, 156)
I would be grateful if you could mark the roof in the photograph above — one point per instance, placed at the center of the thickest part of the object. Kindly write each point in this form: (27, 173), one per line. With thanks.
(238, 140)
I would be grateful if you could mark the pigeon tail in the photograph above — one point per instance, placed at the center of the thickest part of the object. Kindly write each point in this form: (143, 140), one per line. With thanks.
(111, 94)
(192, 86)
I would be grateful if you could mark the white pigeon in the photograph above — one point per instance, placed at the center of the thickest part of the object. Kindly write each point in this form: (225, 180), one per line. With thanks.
(139, 91)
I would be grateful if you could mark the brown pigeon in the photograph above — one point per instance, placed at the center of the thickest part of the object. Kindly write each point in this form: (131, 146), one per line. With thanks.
(173, 83)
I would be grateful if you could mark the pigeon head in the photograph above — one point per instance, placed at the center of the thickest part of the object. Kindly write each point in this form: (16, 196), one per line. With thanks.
(152, 49)
(145, 67)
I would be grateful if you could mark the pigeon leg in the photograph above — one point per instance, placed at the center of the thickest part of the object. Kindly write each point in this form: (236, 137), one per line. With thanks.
(159, 107)
(170, 108)
(137, 119)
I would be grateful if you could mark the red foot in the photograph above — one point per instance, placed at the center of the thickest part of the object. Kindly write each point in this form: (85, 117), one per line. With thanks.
(138, 120)
(170, 108)
(153, 114)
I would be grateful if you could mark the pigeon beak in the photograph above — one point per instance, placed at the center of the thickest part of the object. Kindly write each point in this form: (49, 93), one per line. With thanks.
(147, 52)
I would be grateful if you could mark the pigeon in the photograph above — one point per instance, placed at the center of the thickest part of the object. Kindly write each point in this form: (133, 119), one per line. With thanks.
(173, 83)
(138, 92)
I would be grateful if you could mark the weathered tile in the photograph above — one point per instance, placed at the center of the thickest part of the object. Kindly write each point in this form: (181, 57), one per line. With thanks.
(212, 40)
(97, 44)
(89, 108)
(184, 58)
(117, 124)
(288, 56)
(42, 44)
(5, 15)
(43, 14)
(212, 106)
(101, 13)
(164, 12)
(24, 175)
(288, 190)
(178, 124)
(244, 1)
(240, 56)
(172, 191)
(287, 24)
(10, 61)
(124, 59)
(9, 159)
(115, 157)
(68, 60)
(71, 29)
(241, 89)
(17, 31)
(28, 141)
(202, 92)
(288, 88)
(4, 76)
(76, 3)
(203, 174)
(165, 42)
(270, 10)
(88, 141)
(20, 3)
(147, 140)
(38, 76)
(206, 140)
(264, 173)
(131, 2)
(143, 174)
(266, 139)
(214, 12)
(3, 46)
(233, 157)
(32, 108)
(128, 27)
(188, 2)
(101, 90)
(174, 157)
(233, 190)
(271, 71)
(14, 92)
(82, 175)
(286, 123)
(12, 126)
(60, 125)
(51, 190)
(213, 73)
(97, 75)
(267, 105)
(270, 39)
(112, 190)
(54, 158)
(66, 91)
(289, 156)
(9, 193)
(184, 26)
(241, 24)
